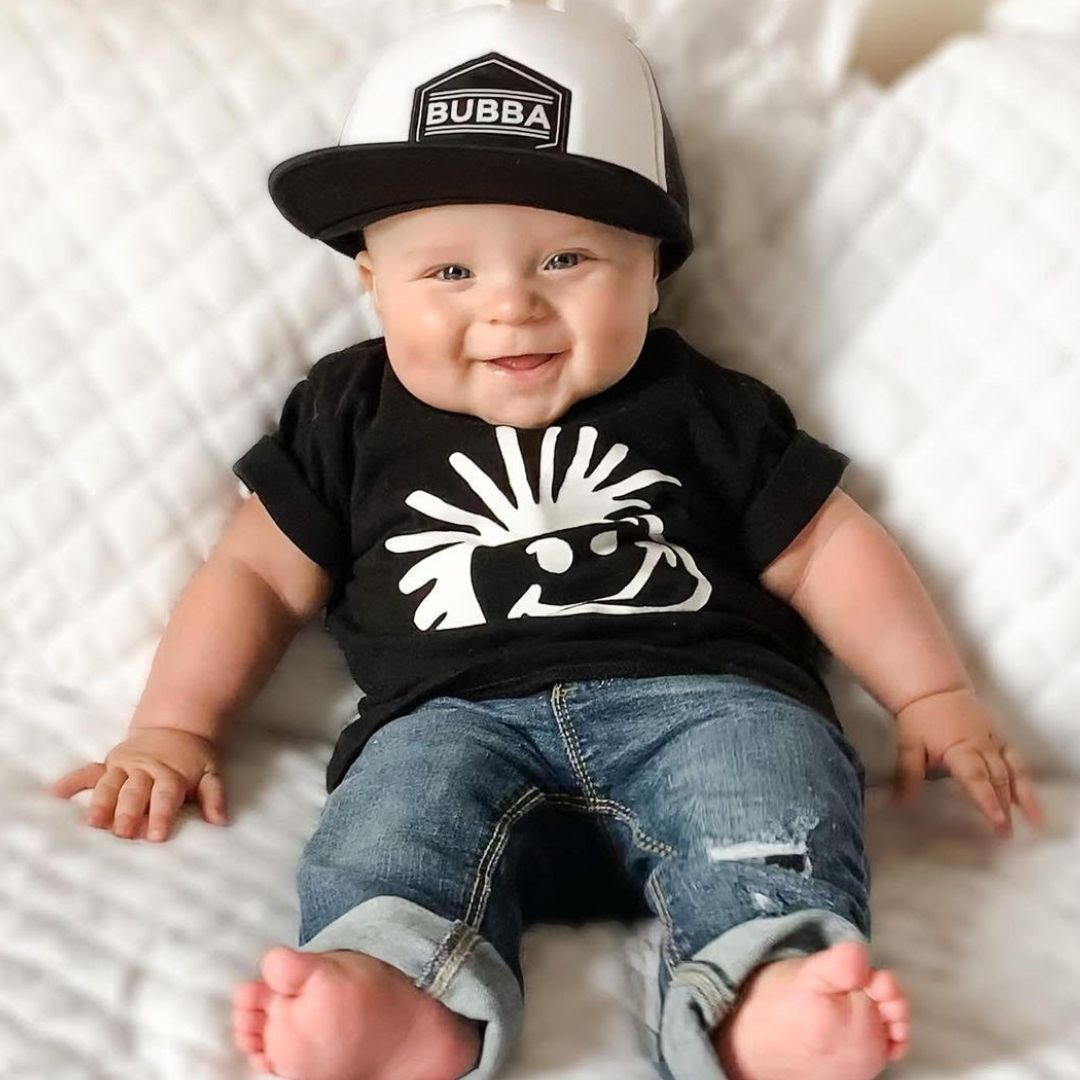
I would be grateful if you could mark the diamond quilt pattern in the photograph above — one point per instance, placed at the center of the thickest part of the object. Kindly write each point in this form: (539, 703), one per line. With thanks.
(154, 309)
(900, 264)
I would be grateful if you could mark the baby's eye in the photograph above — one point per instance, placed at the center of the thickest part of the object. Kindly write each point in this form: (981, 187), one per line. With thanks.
(564, 255)
(452, 266)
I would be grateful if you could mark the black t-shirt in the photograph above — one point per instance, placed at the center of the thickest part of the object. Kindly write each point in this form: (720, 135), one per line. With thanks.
(484, 561)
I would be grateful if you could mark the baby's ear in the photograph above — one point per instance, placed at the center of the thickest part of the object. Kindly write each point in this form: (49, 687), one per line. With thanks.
(366, 271)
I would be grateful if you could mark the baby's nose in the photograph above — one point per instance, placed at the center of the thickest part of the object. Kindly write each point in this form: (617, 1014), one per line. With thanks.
(512, 301)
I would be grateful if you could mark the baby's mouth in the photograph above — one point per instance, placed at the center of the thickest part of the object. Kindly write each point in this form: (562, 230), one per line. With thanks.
(521, 363)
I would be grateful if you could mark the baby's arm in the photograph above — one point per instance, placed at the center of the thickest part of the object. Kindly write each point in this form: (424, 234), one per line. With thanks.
(852, 584)
(229, 628)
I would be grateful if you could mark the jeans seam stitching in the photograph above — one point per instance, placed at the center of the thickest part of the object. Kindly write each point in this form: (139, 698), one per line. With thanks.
(614, 809)
(570, 740)
(452, 952)
(669, 951)
(438, 957)
(572, 745)
(477, 905)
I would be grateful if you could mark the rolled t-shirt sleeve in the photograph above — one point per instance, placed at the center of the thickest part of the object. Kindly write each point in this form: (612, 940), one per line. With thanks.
(791, 476)
(302, 470)
(768, 476)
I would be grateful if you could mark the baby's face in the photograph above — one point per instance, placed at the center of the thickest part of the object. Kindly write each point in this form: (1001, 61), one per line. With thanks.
(455, 286)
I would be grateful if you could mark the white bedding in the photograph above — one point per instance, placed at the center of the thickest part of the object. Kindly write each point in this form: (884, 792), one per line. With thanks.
(902, 265)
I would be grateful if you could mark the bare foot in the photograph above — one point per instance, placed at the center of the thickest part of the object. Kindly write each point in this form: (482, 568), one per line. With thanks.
(347, 1016)
(827, 1016)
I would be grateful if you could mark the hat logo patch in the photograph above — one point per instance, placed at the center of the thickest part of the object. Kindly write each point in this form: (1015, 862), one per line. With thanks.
(491, 101)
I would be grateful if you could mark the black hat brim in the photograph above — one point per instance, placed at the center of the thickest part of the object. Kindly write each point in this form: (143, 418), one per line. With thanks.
(331, 193)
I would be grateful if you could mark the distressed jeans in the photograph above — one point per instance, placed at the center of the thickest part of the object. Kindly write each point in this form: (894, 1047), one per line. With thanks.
(729, 810)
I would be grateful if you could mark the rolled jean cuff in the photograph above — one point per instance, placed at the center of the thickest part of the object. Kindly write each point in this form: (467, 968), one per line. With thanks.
(448, 960)
(704, 988)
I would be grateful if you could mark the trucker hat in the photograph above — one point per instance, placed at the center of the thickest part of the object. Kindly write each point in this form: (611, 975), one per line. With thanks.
(549, 105)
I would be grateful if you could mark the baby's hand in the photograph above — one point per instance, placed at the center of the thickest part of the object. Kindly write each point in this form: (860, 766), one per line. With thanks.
(954, 729)
(155, 768)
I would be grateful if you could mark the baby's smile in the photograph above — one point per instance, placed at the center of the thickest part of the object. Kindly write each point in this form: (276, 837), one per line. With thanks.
(525, 365)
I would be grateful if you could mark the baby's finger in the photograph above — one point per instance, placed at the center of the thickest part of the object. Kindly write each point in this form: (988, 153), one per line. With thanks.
(165, 802)
(139, 832)
(80, 779)
(211, 796)
(1024, 787)
(131, 803)
(1001, 781)
(968, 766)
(103, 801)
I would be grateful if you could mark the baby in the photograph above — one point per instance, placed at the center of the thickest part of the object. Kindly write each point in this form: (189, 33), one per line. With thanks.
(584, 575)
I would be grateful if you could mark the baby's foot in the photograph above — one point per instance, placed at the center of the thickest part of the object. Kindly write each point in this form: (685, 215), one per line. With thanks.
(347, 1016)
(827, 1016)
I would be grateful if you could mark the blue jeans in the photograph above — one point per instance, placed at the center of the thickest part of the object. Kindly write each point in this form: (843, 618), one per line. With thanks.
(730, 811)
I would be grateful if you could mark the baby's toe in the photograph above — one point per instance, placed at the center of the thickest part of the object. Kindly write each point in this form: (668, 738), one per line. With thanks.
(249, 1002)
(250, 1043)
(898, 1041)
(887, 993)
(894, 1011)
(248, 1028)
(286, 970)
(885, 988)
(898, 1032)
(254, 994)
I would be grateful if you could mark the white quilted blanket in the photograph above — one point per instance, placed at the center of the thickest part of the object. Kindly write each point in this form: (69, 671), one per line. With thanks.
(902, 265)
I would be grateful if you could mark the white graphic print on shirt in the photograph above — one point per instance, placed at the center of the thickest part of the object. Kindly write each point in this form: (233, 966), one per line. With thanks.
(583, 539)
